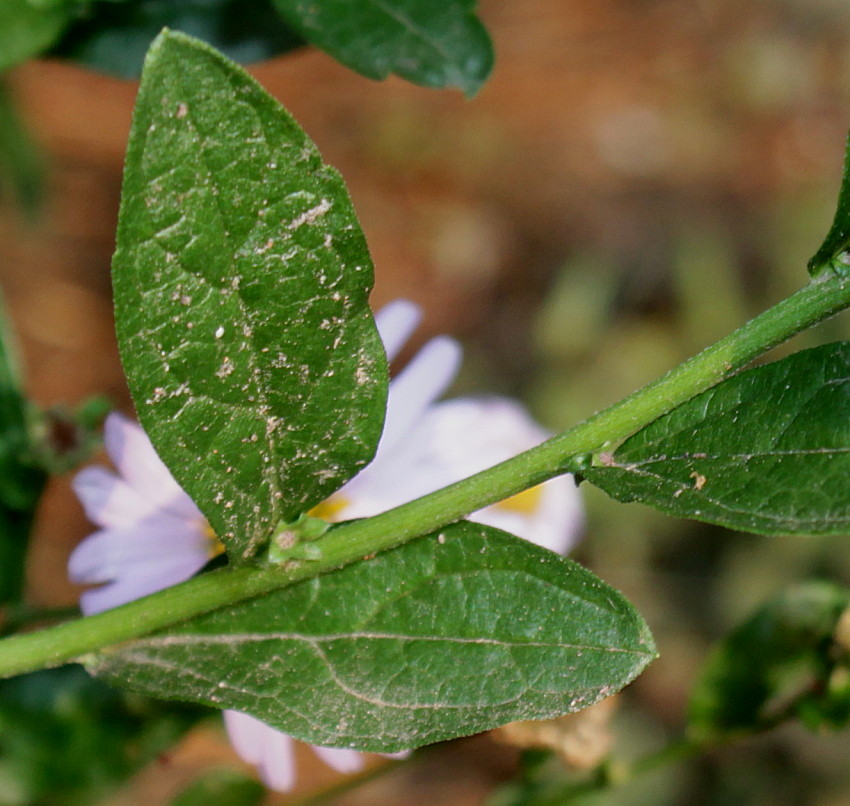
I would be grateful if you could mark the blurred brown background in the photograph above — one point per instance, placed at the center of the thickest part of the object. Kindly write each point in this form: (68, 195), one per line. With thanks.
(637, 178)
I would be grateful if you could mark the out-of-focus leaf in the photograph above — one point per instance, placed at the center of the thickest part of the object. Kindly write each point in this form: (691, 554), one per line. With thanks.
(786, 660)
(26, 28)
(21, 482)
(241, 281)
(114, 37)
(66, 739)
(222, 787)
(448, 635)
(441, 44)
(767, 451)
(21, 166)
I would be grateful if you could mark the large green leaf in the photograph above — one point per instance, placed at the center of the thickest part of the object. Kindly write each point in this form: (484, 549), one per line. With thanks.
(451, 634)
(241, 280)
(440, 44)
(114, 37)
(783, 661)
(27, 28)
(767, 451)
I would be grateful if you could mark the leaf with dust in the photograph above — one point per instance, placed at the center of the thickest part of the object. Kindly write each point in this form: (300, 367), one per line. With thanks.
(766, 451)
(241, 279)
(451, 634)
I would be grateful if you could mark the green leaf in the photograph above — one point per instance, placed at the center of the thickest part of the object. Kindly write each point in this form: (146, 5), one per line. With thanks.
(448, 635)
(222, 787)
(781, 662)
(433, 44)
(241, 281)
(114, 37)
(21, 483)
(28, 28)
(767, 451)
(66, 739)
(833, 255)
(21, 163)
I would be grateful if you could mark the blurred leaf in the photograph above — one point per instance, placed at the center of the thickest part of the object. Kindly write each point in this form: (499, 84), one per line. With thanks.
(433, 44)
(21, 167)
(21, 482)
(67, 739)
(222, 787)
(114, 37)
(445, 636)
(241, 281)
(782, 662)
(27, 28)
(833, 255)
(767, 451)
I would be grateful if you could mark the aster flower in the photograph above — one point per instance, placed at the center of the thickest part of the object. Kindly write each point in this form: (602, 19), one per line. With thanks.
(151, 535)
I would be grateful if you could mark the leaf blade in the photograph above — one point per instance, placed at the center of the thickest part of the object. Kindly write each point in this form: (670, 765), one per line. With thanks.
(27, 29)
(778, 663)
(435, 45)
(387, 654)
(241, 279)
(766, 451)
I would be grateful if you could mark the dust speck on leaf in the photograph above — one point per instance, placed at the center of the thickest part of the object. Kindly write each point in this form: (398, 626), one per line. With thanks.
(699, 480)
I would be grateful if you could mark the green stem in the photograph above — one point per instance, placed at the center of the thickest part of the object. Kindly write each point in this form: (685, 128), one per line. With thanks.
(356, 540)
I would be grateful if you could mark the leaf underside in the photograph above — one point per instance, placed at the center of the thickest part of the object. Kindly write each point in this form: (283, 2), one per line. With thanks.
(241, 280)
(454, 633)
(767, 451)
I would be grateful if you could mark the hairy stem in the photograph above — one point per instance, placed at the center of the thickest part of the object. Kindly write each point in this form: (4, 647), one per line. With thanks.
(356, 540)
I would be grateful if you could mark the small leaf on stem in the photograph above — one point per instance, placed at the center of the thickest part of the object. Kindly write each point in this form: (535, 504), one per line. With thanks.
(766, 451)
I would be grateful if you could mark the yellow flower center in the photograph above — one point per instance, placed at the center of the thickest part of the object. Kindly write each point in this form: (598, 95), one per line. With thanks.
(215, 546)
(525, 503)
(329, 508)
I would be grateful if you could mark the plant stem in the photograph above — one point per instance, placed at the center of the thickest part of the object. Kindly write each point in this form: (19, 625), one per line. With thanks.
(356, 540)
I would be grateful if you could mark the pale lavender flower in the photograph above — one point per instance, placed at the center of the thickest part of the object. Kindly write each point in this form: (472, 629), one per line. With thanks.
(152, 535)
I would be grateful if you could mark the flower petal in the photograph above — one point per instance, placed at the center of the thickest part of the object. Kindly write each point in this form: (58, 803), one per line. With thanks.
(138, 463)
(396, 322)
(420, 383)
(341, 759)
(156, 542)
(128, 588)
(108, 500)
(260, 744)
